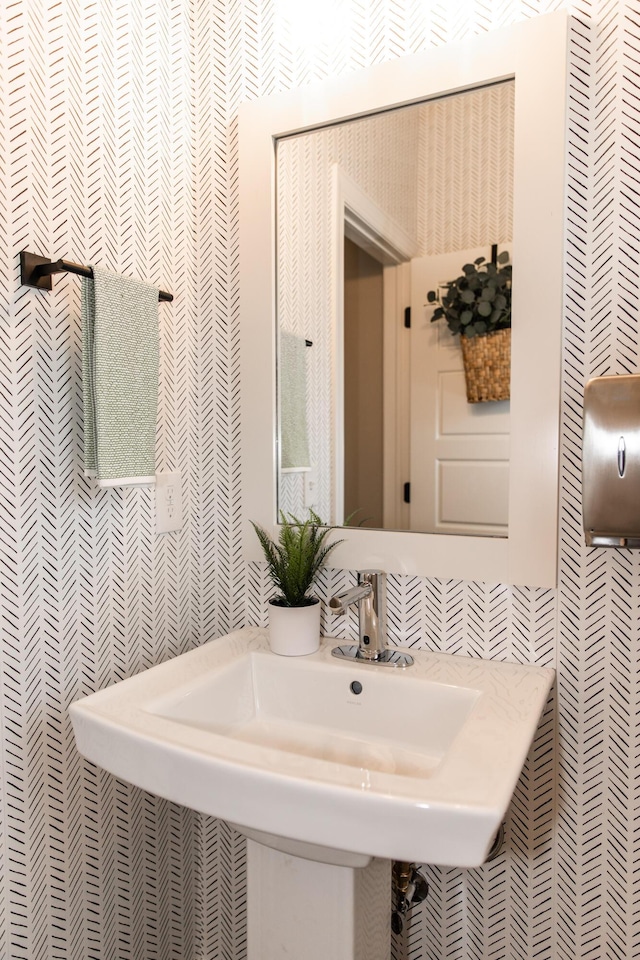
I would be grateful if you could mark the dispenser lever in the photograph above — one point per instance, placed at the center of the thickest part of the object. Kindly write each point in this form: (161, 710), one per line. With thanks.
(622, 457)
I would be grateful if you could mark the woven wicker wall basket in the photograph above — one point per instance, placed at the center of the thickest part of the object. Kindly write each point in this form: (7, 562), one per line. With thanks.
(487, 366)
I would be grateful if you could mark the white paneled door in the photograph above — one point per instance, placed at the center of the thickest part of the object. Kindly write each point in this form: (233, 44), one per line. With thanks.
(459, 451)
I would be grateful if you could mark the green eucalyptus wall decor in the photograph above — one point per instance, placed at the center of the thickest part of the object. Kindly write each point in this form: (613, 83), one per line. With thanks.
(479, 301)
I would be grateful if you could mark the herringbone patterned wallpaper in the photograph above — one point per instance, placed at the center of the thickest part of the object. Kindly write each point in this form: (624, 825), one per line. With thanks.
(96, 165)
(119, 146)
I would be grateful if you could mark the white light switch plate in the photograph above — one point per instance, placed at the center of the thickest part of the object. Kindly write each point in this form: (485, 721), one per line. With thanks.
(311, 488)
(168, 502)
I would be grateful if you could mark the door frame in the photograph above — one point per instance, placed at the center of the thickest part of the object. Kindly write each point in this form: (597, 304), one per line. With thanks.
(355, 215)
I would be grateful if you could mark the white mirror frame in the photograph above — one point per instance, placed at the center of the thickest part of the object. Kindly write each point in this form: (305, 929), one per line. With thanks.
(534, 53)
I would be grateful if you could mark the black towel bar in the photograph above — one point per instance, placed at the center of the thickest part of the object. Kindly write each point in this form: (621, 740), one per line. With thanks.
(36, 271)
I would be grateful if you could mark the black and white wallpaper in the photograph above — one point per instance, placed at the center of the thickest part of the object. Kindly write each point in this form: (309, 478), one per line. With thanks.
(119, 147)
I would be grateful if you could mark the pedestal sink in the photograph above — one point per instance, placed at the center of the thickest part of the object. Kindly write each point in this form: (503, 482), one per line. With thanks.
(321, 759)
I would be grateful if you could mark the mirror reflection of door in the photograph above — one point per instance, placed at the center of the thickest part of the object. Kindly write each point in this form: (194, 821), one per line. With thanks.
(459, 451)
(457, 465)
(363, 387)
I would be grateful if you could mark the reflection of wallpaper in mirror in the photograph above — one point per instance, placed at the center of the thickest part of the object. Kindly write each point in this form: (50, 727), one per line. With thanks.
(441, 170)
(466, 170)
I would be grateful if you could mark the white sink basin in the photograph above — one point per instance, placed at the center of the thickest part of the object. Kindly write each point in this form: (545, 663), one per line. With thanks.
(419, 766)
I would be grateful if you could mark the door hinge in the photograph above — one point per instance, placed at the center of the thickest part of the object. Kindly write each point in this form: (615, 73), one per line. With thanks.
(407, 493)
(407, 317)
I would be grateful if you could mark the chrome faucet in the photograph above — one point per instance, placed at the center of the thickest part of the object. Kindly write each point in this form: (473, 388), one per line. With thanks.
(369, 595)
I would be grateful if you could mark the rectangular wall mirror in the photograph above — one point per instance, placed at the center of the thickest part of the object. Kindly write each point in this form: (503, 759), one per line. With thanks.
(358, 197)
(374, 423)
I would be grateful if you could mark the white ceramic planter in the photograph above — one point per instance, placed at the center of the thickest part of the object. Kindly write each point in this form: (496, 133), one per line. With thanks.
(294, 631)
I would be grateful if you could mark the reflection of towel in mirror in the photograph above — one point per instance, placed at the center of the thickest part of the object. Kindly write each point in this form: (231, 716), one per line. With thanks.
(294, 451)
(120, 379)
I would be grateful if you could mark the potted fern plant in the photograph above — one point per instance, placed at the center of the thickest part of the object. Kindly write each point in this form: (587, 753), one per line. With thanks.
(293, 563)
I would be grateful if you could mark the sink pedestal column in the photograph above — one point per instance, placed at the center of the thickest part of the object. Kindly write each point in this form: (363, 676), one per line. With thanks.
(303, 909)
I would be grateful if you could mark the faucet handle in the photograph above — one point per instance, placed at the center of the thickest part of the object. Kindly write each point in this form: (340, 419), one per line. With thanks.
(355, 594)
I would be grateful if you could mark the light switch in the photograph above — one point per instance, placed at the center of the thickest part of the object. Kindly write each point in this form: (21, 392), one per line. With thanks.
(168, 502)
(311, 488)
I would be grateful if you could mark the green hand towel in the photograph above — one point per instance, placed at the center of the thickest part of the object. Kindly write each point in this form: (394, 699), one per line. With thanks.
(293, 402)
(120, 379)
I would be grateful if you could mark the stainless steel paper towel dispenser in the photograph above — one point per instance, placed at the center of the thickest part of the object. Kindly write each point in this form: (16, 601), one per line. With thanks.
(611, 462)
